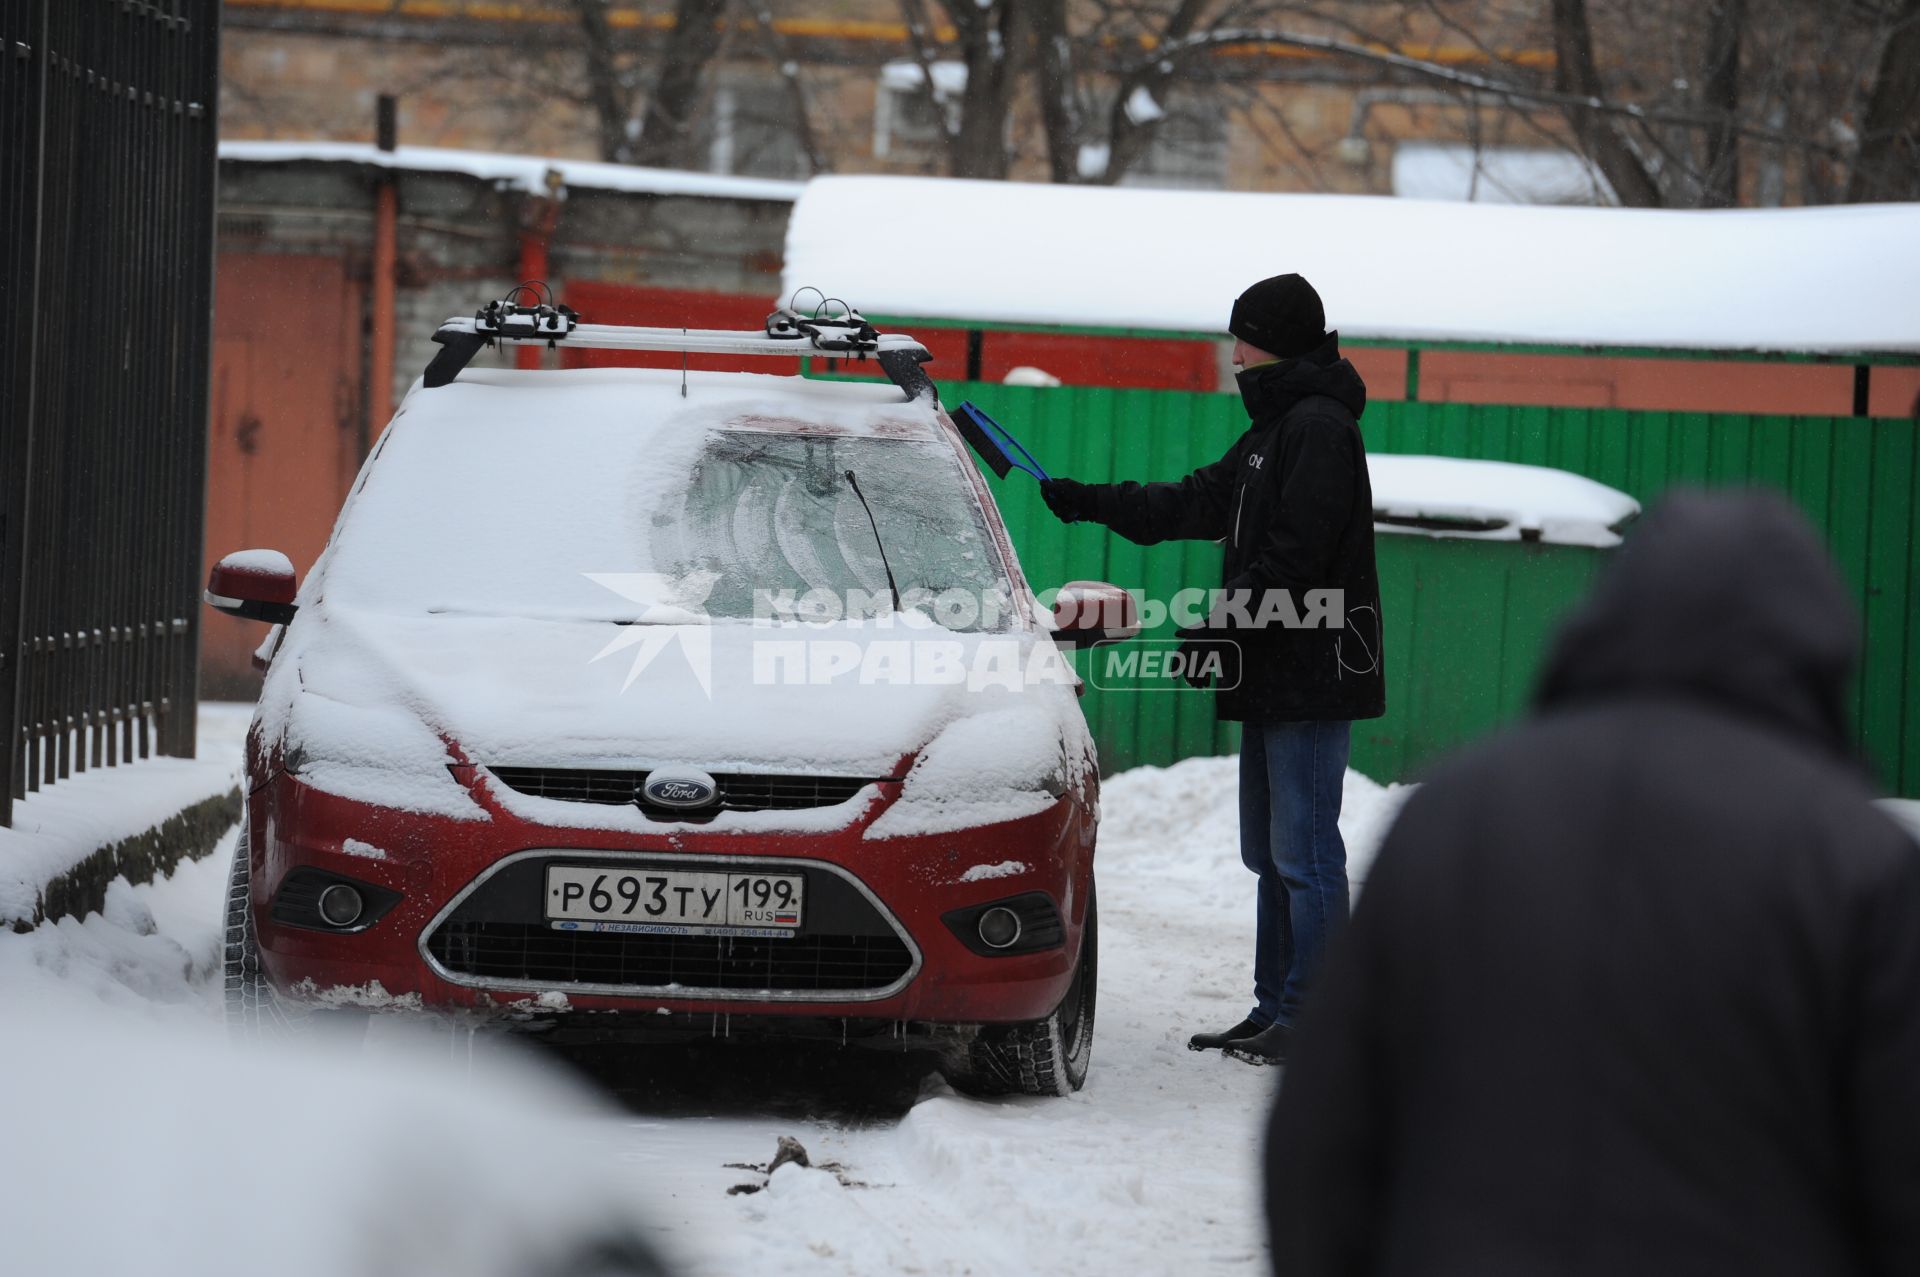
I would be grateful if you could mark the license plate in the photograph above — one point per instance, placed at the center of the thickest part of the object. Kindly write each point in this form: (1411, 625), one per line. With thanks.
(674, 901)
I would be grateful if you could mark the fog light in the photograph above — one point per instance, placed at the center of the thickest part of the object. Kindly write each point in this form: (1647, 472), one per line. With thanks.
(341, 906)
(999, 927)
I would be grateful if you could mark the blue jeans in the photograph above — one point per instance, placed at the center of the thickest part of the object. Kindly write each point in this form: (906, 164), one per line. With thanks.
(1290, 778)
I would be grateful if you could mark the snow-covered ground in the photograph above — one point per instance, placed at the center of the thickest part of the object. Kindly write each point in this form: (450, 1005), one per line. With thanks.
(1153, 1167)
(57, 827)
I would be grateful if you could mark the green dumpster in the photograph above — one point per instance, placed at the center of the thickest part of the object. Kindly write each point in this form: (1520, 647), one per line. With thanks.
(1479, 560)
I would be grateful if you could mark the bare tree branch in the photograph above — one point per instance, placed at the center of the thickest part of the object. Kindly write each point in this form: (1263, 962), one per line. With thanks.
(775, 48)
(1888, 165)
(1576, 74)
(988, 40)
(1054, 71)
(1505, 89)
(1130, 128)
(666, 134)
(1720, 179)
(612, 102)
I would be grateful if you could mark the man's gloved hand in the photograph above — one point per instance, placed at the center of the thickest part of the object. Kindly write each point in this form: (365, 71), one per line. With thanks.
(1195, 644)
(1067, 499)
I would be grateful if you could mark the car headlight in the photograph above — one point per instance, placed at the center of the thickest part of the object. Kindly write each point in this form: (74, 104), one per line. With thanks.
(984, 769)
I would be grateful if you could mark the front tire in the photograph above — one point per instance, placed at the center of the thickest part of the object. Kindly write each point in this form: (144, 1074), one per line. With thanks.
(254, 1011)
(1042, 1057)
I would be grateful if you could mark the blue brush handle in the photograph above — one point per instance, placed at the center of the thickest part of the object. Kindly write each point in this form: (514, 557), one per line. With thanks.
(1032, 467)
(1009, 446)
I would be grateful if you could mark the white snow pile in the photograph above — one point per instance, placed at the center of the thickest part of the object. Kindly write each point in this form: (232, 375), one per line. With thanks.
(57, 827)
(272, 561)
(1181, 824)
(163, 1149)
(986, 873)
(514, 172)
(153, 952)
(1494, 501)
(1834, 279)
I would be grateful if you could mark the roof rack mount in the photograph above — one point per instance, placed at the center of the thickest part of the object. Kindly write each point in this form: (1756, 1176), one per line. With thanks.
(787, 334)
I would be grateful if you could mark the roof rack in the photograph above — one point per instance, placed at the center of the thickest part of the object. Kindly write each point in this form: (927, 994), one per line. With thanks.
(788, 333)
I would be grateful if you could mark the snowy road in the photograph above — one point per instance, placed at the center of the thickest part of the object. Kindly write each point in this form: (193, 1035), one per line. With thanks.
(1151, 1168)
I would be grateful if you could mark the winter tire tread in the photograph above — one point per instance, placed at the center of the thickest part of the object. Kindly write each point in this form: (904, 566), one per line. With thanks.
(1037, 1058)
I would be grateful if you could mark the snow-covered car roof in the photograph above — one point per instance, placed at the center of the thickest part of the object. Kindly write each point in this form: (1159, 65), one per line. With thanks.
(1815, 279)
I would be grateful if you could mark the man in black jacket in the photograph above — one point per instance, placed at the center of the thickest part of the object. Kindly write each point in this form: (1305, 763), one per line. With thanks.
(1634, 988)
(1295, 632)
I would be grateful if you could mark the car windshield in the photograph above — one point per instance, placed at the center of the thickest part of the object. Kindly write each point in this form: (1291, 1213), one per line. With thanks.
(772, 519)
(586, 514)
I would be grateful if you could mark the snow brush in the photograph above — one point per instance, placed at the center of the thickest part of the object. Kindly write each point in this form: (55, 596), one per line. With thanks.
(1000, 450)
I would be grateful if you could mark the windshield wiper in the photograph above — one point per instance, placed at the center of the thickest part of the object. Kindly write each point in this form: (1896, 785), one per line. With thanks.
(878, 543)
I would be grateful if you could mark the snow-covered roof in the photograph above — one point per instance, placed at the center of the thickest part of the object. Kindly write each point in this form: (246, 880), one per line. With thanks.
(1827, 279)
(518, 172)
(1494, 501)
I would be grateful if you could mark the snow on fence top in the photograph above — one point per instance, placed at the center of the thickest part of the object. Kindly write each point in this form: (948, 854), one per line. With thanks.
(1839, 279)
(517, 172)
(1494, 501)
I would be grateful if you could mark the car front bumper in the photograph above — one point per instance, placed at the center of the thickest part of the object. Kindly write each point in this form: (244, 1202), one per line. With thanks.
(437, 864)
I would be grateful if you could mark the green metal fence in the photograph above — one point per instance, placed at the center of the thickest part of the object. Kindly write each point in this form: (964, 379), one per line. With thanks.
(1466, 622)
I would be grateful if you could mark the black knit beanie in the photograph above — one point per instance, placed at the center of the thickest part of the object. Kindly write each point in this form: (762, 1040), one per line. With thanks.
(1281, 315)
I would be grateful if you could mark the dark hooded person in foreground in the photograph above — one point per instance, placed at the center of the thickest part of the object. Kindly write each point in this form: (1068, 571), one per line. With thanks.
(1634, 988)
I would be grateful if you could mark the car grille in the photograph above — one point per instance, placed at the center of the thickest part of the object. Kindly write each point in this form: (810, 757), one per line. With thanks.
(847, 946)
(739, 791)
(535, 954)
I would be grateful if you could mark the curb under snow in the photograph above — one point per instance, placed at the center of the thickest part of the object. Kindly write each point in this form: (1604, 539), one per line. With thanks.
(71, 840)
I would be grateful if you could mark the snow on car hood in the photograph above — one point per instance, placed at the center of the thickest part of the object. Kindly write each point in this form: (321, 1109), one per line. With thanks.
(369, 702)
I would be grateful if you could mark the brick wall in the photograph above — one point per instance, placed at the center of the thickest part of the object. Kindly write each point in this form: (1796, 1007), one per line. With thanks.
(1284, 119)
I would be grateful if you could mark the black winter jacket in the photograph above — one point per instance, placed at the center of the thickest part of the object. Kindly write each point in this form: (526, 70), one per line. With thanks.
(1292, 504)
(1634, 988)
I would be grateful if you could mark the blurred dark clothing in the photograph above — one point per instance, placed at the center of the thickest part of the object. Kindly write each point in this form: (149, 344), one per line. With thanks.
(1634, 988)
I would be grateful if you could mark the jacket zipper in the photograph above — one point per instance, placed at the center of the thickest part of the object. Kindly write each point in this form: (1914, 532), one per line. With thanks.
(1240, 500)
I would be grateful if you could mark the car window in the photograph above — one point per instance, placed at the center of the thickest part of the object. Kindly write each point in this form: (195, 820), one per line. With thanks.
(772, 517)
(582, 513)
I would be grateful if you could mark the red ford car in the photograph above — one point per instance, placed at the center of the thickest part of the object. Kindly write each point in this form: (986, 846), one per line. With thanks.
(658, 704)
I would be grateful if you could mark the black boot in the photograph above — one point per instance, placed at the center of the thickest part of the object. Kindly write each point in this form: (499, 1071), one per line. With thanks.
(1214, 1041)
(1269, 1046)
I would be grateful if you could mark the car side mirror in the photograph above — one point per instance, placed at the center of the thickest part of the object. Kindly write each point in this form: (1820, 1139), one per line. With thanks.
(1089, 612)
(256, 585)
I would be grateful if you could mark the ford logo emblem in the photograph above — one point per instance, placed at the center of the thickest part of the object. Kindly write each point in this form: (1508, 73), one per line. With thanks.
(679, 787)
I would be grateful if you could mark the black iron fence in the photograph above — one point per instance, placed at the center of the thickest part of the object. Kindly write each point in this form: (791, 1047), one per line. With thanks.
(106, 190)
